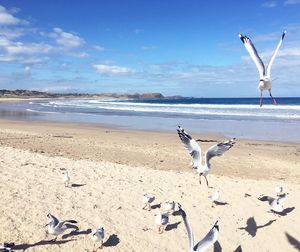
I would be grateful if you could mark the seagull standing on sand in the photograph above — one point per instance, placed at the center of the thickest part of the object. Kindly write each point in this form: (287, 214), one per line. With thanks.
(161, 221)
(194, 149)
(98, 236)
(275, 204)
(66, 179)
(206, 242)
(265, 82)
(147, 200)
(56, 227)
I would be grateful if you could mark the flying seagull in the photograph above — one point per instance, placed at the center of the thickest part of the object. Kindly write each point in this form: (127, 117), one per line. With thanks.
(265, 82)
(206, 242)
(57, 227)
(194, 149)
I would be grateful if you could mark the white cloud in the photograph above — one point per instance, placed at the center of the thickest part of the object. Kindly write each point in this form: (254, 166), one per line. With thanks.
(112, 70)
(137, 31)
(270, 4)
(27, 70)
(6, 18)
(66, 39)
(99, 48)
(291, 2)
(149, 47)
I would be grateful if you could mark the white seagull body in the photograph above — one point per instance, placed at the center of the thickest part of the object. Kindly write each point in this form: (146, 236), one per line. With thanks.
(66, 179)
(147, 200)
(56, 227)
(214, 197)
(98, 236)
(161, 221)
(169, 206)
(195, 151)
(206, 242)
(275, 204)
(265, 82)
(278, 190)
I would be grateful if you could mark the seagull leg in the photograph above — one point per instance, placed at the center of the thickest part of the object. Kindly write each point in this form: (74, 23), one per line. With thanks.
(260, 100)
(101, 245)
(206, 181)
(160, 230)
(274, 101)
(199, 179)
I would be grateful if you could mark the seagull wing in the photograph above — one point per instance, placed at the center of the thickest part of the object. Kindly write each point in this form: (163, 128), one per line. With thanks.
(208, 240)
(53, 219)
(218, 150)
(191, 145)
(253, 54)
(274, 55)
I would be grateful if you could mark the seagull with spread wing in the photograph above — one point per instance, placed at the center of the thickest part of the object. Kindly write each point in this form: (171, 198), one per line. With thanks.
(210, 238)
(57, 227)
(265, 82)
(194, 149)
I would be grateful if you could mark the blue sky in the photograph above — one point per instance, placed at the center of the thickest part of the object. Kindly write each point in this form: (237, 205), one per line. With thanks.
(188, 48)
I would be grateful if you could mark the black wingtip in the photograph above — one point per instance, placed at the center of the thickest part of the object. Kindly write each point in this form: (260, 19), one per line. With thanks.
(283, 35)
(242, 37)
(216, 225)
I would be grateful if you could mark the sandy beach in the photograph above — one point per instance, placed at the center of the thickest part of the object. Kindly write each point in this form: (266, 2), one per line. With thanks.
(111, 169)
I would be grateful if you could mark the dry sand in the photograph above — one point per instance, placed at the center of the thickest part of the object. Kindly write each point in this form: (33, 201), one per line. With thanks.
(112, 169)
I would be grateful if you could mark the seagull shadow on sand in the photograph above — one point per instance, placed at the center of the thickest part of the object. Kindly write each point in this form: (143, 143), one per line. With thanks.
(293, 241)
(238, 249)
(252, 227)
(172, 226)
(217, 247)
(156, 206)
(112, 241)
(25, 246)
(77, 232)
(77, 185)
(220, 203)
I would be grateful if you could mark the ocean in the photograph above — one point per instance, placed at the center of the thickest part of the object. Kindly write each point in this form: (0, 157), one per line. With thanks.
(232, 117)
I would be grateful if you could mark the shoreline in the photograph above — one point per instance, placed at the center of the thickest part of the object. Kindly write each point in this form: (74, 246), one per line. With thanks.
(152, 149)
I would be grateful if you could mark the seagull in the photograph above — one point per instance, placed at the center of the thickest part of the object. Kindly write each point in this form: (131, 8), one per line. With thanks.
(194, 149)
(66, 179)
(169, 206)
(214, 197)
(278, 190)
(161, 221)
(56, 227)
(147, 200)
(275, 204)
(206, 242)
(265, 82)
(98, 236)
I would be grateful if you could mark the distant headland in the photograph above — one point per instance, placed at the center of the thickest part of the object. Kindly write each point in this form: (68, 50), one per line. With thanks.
(21, 93)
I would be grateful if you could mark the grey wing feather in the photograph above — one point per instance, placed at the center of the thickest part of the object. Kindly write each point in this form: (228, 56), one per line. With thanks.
(253, 54)
(208, 240)
(274, 54)
(191, 145)
(218, 150)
